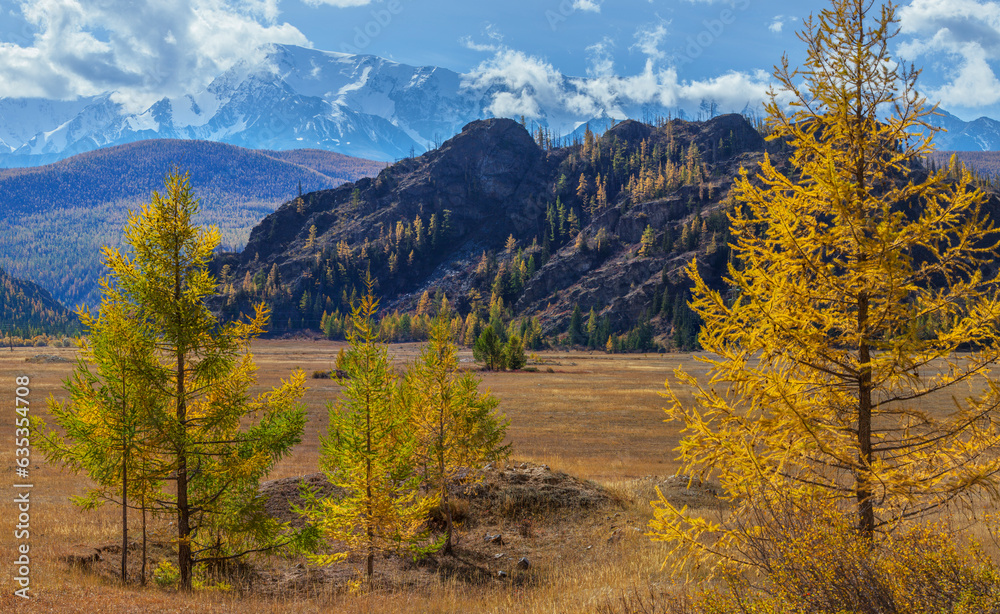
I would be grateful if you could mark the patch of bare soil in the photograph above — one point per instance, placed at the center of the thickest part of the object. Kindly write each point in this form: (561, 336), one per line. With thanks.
(38, 359)
(525, 490)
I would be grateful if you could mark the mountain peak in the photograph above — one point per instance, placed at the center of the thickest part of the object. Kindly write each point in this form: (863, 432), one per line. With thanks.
(293, 97)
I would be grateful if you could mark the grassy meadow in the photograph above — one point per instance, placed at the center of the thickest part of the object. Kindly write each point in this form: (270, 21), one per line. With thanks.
(594, 416)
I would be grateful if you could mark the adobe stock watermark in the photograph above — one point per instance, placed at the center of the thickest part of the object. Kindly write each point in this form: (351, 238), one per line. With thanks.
(365, 34)
(21, 557)
(566, 9)
(696, 44)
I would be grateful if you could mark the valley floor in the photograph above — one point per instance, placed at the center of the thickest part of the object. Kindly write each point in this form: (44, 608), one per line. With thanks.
(580, 423)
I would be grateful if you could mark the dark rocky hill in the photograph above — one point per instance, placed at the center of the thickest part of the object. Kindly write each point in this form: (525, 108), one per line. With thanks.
(493, 214)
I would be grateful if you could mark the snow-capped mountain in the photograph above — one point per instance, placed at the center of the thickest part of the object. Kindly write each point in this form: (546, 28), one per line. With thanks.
(981, 134)
(358, 105)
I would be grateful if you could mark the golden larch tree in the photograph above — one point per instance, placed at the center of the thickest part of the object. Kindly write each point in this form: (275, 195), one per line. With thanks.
(860, 299)
(368, 453)
(213, 439)
(457, 428)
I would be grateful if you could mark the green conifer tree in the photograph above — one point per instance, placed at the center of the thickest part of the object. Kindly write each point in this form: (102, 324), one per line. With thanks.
(202, 373)
(105, 422)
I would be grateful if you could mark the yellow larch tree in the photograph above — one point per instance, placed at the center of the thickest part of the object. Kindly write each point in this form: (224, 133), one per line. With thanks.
(849, 366)
(457, 428)
(368, 452)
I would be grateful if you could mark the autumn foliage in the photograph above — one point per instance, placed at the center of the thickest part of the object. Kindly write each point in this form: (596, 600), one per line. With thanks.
(860, 286)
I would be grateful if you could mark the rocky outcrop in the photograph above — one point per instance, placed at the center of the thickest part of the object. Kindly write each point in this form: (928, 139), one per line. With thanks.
(491, 182)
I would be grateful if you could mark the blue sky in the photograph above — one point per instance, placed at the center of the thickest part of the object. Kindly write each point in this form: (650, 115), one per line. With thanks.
(725, 48)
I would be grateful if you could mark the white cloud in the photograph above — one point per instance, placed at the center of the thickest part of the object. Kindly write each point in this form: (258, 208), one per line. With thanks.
(966, 33)
(777, 24)
(975, 84)
(588, 5)
(140, 50)
(649, 38)
(491, 33)
(469, 43)
(532, 87)
(601, 60)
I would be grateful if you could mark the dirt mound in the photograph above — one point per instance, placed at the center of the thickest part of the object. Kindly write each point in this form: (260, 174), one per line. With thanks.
(512, 491)
(284, 493)
(524, 489)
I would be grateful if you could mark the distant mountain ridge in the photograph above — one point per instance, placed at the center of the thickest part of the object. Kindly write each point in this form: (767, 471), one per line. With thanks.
(982, 134)
(68, 210)
(358, 105)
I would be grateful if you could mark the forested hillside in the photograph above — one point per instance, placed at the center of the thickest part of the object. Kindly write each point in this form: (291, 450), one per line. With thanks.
(27, 310)
(585, 241)
(57, 217)
(986, 164)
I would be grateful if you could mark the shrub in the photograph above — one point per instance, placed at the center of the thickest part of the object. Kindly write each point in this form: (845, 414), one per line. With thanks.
(166, 574)
(816, 563)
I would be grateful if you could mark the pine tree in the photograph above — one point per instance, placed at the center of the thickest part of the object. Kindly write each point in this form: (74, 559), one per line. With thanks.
(457, 428)
(311, 239)
(201, 373)
(818, 365)
(583, 187)
(512, 355)
(488, 349)
(591, 329)
(424, 304)
(368, 452)
(647, 241)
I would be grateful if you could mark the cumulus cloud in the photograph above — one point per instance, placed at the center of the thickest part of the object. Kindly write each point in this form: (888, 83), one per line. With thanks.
(588, 5)
(649, 38)
(967, 32)
(529, 86)
(139, 50)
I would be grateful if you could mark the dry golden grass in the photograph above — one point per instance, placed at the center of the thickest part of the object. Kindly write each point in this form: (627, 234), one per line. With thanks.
(592, 415)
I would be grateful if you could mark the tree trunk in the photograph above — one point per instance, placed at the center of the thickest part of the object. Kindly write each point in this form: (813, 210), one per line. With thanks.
(124, 520)
(368, 491)
(183, 508)
(447, 516)
(866, 512)
(184, 562)
(142, 572)
(444, 495)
